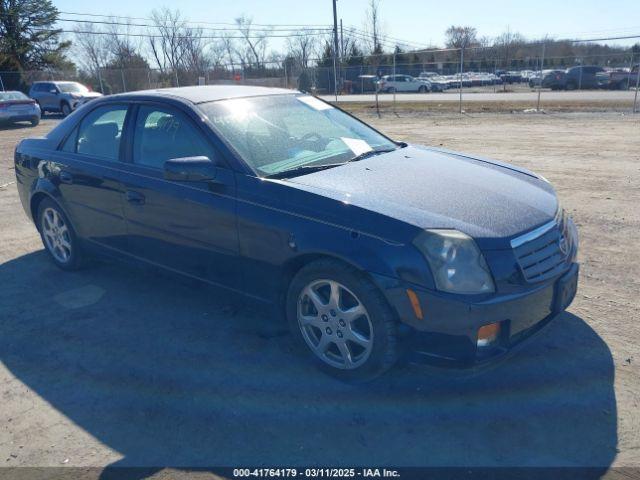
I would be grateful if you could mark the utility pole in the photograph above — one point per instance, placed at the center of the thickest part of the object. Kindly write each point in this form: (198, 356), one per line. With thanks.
(335, 49)
(541, 77)
(342, 52)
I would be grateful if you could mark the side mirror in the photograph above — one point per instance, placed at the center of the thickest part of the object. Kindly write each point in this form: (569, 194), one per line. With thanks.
(190, 169)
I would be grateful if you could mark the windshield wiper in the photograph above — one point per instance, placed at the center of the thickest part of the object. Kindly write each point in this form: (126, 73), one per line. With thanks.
(370, 153)
(304, 169)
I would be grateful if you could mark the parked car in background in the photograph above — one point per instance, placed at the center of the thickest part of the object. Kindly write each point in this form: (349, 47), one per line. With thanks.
(553, 79)
(582, 77)
(620, 79)
(435, 81)
(63, 97)
(404, 83)
(365, 83)
(510, 77)
(365, 245)
(17, 107)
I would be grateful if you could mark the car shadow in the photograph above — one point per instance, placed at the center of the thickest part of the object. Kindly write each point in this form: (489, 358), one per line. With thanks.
(171, 373)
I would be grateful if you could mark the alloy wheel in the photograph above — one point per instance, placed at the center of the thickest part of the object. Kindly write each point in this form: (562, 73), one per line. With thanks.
(56, 235)
(335, 324)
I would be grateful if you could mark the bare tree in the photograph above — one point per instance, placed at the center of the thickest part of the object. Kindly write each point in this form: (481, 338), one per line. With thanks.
(507, 44)
(167, 46)
(194, 59)
(92, 49)
(461, 37)
(373, 26)
(302, 48)
(256, 42)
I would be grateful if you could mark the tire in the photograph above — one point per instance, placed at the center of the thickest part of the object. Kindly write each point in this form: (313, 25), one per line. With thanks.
(59, 237)
(361, 322)
(35, 122)
(422, 89)
(391, 90)
(65, 108)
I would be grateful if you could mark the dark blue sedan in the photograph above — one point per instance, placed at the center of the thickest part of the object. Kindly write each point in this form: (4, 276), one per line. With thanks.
(369, 247)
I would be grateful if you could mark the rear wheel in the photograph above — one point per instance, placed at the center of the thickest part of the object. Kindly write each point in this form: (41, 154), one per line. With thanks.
(391, 90)
(58, 236)
(65, 108)
(422, 89)
(342, 320)
(35, 121)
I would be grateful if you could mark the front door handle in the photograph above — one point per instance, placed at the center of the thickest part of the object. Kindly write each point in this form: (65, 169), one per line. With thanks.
(134, 197)
(65, 177)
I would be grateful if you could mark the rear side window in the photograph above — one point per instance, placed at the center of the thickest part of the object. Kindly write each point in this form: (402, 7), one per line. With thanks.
(100, 132)
(162, 134)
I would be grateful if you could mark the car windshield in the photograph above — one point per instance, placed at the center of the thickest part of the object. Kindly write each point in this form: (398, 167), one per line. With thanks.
(9, 96)
(72, 87)
(289, 133)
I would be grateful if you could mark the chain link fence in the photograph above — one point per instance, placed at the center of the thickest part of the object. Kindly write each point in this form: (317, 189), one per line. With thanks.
(445, 80)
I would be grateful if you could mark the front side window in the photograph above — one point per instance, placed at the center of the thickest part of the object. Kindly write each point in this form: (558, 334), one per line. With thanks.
(279, 133)
(162, 134)
(100, 132)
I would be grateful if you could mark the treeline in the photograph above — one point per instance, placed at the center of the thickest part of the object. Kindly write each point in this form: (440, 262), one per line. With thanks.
(120, 54)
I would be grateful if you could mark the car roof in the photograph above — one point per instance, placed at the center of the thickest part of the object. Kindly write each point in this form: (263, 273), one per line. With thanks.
(209, 93)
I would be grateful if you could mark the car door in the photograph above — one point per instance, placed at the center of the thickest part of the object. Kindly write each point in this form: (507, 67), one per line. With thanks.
(86, 169)
(49, 96)
(189, 227)
(412, 84)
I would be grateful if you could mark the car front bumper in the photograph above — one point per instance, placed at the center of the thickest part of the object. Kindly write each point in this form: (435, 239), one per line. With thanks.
(448, 331)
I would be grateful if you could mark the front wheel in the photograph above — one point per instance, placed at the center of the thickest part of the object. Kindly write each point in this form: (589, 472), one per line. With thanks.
(422, 89)
(342, 320)
(58, 236)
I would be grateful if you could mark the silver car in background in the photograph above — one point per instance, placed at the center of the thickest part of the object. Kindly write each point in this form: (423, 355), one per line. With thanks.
(403, 83)
(17, 107)
(63, 97)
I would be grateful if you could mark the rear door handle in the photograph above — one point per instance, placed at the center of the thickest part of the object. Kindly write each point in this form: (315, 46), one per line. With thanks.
(134, 197)
(65, 177)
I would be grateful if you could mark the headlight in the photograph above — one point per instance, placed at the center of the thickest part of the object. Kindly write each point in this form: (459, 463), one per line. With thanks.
(457, 264)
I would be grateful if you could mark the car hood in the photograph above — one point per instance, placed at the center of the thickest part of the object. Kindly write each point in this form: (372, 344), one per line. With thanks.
(91, 95)
(432, 188)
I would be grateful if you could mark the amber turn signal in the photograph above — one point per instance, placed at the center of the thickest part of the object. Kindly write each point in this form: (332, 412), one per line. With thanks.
(415, 303)
(487, 334)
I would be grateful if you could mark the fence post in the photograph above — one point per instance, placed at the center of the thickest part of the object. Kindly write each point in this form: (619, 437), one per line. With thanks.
(100, 81)
(1, 83)
(630, 69)
(124, 85)
(635, 98)
(541, 78)
(461, 69)
(285, 73)
(394, 79)
(580, 78)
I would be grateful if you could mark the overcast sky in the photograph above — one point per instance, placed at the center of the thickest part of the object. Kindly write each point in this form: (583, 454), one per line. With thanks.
(420, 21)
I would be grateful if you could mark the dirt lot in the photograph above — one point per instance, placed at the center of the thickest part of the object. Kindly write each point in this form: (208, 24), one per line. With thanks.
(115, 365)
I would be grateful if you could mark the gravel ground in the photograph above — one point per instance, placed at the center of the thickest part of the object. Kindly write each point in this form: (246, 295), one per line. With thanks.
(119, 366)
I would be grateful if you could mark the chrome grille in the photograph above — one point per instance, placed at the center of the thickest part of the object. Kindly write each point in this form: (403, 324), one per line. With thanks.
(542, 253)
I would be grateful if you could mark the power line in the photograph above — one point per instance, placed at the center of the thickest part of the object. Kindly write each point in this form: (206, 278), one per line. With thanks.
(206, 37)
(324, 25)
(178, 27)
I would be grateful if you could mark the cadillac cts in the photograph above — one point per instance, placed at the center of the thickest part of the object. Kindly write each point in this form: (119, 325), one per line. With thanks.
(368, 246)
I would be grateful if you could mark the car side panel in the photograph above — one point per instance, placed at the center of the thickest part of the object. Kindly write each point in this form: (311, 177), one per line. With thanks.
(277, 224)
